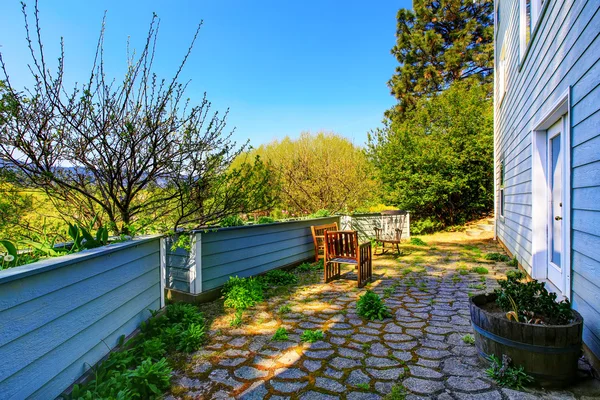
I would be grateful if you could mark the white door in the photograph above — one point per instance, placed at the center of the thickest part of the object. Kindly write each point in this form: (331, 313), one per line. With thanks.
(556, 196)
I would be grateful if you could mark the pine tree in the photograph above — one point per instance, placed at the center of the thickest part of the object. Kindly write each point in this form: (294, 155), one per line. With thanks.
(438, 43)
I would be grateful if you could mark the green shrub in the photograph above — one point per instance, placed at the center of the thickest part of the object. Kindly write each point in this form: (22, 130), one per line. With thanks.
(507, 375)
(515, 274)
(280, 334)
(279, 277)
(242, 293)
(415, 241)
(370, 306)
(233, 220)
(192, 338)
(311, 336)
(237, 319)
(149, 380)
(265, 220)
(425, 226)
(531, 302)
(514, 262)
(306, 267)
(497, 257)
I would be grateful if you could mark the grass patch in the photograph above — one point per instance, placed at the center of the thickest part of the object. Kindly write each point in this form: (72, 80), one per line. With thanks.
(480, 270)
(497, 257)
(398, 393)
(309, 336)
(284, 309)
(280, 335)
(363, 386)
(478, 287)
(415, 241)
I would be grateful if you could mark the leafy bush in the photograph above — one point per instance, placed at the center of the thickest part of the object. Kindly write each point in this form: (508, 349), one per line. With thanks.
(497, 257)
(280, 334)
(278, 277)
(265, 220)
(237, 319)
(233, 220)
(507, 375)
(425, 226)
(515, 274)
(417, 242)
(311, 336)
(514, 262)
(284, 309)
(140, 370)
(242, 293)
(531, 302)
(370, 306)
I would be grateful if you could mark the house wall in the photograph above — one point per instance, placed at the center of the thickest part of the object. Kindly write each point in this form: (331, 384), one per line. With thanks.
(59, 316)
(564, 55)
(254, 249)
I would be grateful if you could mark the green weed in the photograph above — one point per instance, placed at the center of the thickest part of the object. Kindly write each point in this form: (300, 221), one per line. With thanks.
(280, 334)
(311, 336)
(468, 339)
(370, 306)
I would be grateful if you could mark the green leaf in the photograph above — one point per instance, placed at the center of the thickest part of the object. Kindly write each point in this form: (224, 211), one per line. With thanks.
(10, 247)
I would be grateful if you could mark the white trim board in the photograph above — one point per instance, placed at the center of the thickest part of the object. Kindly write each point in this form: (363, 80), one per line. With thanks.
(539, 214)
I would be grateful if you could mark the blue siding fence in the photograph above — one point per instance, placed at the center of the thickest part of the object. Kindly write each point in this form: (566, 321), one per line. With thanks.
(58, 316)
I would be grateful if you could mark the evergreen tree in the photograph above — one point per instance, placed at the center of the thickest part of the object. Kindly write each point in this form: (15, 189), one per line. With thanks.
(440, 42)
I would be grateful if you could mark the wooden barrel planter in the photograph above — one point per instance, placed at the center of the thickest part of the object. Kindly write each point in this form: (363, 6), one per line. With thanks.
(549, 353)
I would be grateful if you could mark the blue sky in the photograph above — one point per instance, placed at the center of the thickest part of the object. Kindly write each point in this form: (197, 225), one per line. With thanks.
(282, 67)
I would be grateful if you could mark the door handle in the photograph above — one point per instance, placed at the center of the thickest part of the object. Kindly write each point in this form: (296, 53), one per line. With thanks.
(557, 218)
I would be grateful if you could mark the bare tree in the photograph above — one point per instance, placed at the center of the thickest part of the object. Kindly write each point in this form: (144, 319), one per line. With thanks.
(125, 149)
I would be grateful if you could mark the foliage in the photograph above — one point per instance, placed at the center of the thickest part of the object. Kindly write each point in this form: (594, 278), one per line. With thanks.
(242, 293)
(307, 267)
(280, 334)
(140, 370)
(415, 241)
(232, 220)
(530, 302)
(237, 319)
(182, 241)
(507, 375)
(133, 149)
(497, 257)
(425, 226)
(515, 274)
(278, 277)
(320, 173)
(398, 392)
(370, 306)
(514, 262)
(320, 214)
(284, 309)
(468, 339)
(438, 160)
(311, 336)
(363, 386)
(438, 43)
(480, 270)
(265, 220)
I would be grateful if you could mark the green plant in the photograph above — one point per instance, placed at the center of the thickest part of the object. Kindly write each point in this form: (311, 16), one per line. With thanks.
(320, 213)
(154, 348)
(478, 287)
(415, 241)
(515, 274)
(370, 306)
(398, 392)
(284, 309)
(507, 375)
(150, 379)
(480, 270)
(192, 337)
(530, 302)
(237, 319)
(497, 257)
(425, 226)
(280, 334)
(366, 346)
(456, 279)
(278, 277)
(431, 302)
(387, 292)
(311, 336)
(468, 339)
(265, 220)
(182, 241)
(242, 293)
(514, 262)
(462, 269)
(363, 386)
(232, 220)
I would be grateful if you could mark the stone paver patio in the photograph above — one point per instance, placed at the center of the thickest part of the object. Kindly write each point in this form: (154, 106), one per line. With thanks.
(419, 349)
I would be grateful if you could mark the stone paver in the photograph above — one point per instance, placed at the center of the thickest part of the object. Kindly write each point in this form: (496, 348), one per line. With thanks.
(420, 347)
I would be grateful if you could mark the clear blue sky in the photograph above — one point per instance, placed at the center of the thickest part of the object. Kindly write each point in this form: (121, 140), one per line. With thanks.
(282, 67)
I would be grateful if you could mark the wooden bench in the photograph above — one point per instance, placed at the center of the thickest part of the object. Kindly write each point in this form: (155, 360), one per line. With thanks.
(341, 247)
(318, 234)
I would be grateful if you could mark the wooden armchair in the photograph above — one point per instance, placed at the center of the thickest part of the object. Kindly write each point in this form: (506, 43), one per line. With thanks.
(341, 247)
(318, 234)
(381, 239)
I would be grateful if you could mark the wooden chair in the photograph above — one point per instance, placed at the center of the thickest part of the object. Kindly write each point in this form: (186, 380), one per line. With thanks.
(341, 247)
(380, 239)
(318, 234)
